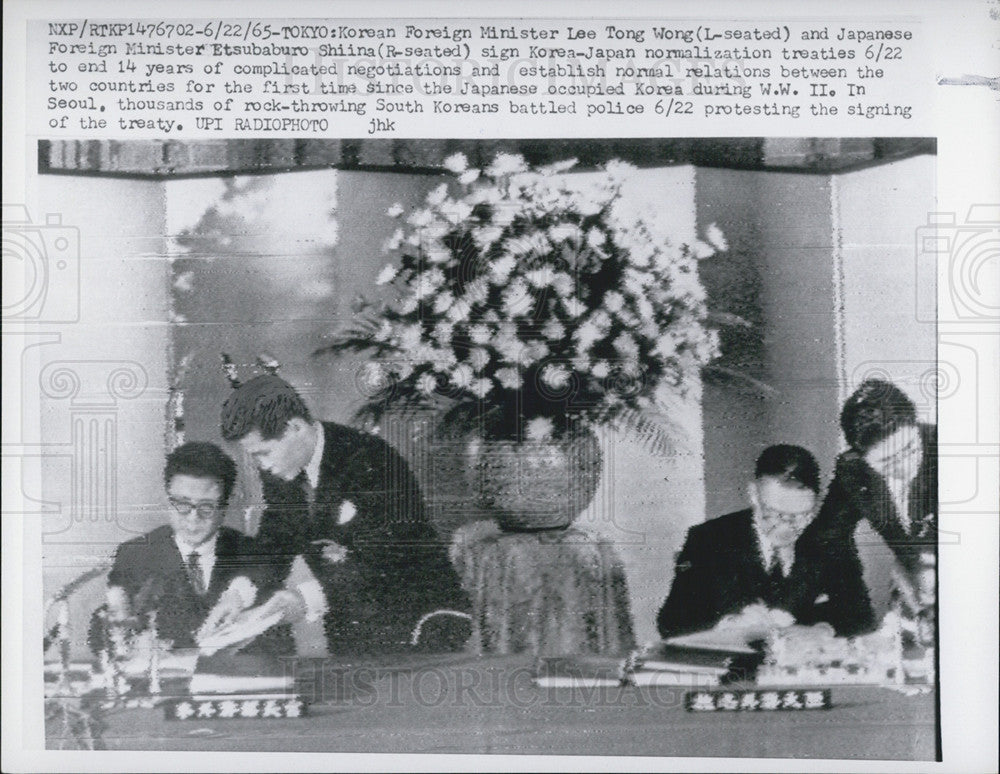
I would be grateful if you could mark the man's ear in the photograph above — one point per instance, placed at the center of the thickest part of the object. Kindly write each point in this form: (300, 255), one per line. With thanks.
(295, 425)
(752, 494)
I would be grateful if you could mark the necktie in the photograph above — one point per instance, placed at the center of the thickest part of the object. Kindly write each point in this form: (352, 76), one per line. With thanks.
(194, 573)
(776, 574)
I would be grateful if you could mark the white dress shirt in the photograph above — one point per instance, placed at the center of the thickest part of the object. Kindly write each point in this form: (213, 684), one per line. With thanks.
(206, 563)
(206, 556)
(309, 588)
(768, 551)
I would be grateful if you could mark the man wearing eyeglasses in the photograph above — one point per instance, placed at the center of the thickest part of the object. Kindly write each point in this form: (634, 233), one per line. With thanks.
(744, 567)
(192, 565)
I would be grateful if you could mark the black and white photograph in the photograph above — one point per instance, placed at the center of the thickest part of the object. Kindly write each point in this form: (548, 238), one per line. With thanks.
(592, 391)
(487, 437)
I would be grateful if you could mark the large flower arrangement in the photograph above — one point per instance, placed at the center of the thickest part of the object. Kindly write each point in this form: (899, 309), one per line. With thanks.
(534, 301)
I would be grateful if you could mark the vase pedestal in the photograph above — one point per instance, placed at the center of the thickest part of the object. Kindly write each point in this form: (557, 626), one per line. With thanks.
(549, 593)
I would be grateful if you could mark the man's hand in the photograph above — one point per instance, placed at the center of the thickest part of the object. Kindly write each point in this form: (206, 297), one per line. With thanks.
(231, 603)
(286, 602)
(756, 621)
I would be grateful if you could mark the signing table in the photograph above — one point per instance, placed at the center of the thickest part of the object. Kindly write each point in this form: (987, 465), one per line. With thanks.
(464, 704)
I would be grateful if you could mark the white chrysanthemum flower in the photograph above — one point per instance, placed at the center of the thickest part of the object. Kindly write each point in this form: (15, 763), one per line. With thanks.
(509, 378)
(506, 164)
(460, 310)
(553, 330)
(422, 287)
(442, 332)
(512, 349)
(477, 291)
(540, 277)
(536, 350)
(436, 197)
(716, 238)
(487, 194)
(667, 345)
(517, 299)
(395, 210)
(484, 237)
(646, 311)
(626, 344)
(426, 383)
(501, 268)
(563, 231)
(563, 283)
(408, 305)
(443, 302)
(589, 203)
(481, 387)
(455, 212)
(614, 300)
(456, 163)
(702, 250)
(393, 242)
(384, 332)
(479, 334)
(387, 275)
(555, 375)
(585, 335)
(469, 176)
(574, 306)
(640, 253)
(401, 368)
(462, 375)
(409, 337)
(479, 358)
(601, 319)
(539, 429)
(600, 369)
(437, 254)
(636, 281)
(444, 358)
(596, 238)
(504, 213)
(419, 219)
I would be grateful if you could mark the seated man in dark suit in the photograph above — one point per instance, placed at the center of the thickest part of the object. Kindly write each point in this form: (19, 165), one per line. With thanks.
(750, 560)
(348, 504)
(184, 569)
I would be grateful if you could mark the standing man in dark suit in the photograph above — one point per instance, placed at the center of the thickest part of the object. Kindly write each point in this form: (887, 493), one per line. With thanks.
(348, 504)
(192, 566)
(752, 559)
(886, 482)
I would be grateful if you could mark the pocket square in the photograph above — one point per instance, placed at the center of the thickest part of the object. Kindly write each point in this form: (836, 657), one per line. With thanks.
(821, 599)
(347, 512)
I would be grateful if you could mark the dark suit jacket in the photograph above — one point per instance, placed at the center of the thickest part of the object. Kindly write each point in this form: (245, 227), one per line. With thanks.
(397, 567)
(720, 571)
(151, 571)
(858, 492)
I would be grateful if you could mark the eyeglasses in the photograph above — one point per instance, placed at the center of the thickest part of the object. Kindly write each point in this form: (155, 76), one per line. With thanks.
(205, 510)
(773, 514)
(909, 449)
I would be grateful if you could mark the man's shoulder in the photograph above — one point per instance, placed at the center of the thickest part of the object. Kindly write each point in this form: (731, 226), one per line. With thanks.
(155, 537)
(725, 526)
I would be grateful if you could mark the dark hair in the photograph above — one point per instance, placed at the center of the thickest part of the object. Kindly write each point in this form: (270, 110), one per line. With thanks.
(202, 460)
(876, 410)
(790, 464)
(265, 404)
